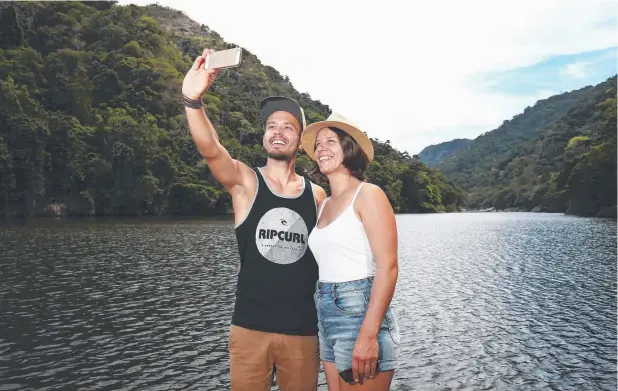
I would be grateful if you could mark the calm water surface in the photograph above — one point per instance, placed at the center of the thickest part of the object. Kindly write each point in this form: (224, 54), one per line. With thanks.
(492, 301)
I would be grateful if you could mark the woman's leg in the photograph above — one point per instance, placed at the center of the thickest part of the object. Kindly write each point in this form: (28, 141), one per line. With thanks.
(348, 310)
(330, 370)
(342, 308)
(327, 354)
(382, 382)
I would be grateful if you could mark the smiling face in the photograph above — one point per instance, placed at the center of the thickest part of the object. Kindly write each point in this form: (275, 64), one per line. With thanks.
(336, 151)
(282, 136)
(328, 151)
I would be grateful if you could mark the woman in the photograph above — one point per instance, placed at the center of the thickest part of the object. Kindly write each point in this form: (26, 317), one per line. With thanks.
(355, 244)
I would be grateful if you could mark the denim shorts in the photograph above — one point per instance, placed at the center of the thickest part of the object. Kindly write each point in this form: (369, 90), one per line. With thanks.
(341, 311)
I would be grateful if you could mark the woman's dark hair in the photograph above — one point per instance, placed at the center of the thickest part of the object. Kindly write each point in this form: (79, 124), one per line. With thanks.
(354, 159)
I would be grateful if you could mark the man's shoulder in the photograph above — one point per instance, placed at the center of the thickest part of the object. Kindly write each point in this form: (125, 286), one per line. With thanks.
(318, 192)
(248, 182)
(317, 189)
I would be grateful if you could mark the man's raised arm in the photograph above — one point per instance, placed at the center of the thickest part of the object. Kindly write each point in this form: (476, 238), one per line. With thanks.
(228, 171)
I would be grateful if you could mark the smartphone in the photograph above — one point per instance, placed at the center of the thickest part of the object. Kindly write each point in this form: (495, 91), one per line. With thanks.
(224, 59)
(348, 377)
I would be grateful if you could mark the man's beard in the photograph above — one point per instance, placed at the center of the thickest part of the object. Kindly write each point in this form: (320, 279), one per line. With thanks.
(280, 156)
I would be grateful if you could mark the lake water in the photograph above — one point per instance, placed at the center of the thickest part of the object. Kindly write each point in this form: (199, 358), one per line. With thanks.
(486, 301)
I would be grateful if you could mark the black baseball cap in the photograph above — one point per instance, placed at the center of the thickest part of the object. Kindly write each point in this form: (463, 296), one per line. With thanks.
(281, 103)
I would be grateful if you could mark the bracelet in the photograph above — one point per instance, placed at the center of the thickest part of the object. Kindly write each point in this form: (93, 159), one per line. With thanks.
(192, 103)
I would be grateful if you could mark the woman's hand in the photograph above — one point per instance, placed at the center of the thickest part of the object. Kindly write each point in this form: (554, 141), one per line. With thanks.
(365, 357)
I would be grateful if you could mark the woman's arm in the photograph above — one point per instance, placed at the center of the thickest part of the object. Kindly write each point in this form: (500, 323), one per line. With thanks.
(378, 218)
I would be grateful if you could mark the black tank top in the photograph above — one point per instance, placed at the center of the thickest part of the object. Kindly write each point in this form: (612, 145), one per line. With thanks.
(278, 272)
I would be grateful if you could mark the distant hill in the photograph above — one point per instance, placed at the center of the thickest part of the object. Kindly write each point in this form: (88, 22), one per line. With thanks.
(92, 122)
(434, 154)
(557, 156)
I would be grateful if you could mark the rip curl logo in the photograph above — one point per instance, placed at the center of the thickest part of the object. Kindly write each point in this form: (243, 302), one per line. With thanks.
(281, 236)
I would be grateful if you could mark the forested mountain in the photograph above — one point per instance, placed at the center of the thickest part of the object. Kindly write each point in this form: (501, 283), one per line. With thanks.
(557, 156)
(92, 122)
(437, 153)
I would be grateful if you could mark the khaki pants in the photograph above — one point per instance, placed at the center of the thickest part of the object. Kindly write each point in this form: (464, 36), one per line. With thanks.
(254, 354)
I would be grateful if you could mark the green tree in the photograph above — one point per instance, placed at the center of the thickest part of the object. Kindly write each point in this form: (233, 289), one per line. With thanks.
(92, 116)
(11, 34)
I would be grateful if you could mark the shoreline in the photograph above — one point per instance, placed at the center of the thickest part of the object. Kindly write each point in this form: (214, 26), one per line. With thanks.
(230, 216)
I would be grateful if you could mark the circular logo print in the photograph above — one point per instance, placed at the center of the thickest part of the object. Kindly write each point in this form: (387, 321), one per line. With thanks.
(281, 236)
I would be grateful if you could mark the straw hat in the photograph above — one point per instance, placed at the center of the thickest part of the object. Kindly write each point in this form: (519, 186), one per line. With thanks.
(337, 121)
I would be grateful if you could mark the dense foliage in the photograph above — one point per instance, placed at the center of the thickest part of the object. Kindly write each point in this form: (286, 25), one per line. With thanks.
(558, 156)
(91, 120)
(437, 153)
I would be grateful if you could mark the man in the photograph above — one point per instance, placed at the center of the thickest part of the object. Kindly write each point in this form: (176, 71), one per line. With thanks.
(274, 325)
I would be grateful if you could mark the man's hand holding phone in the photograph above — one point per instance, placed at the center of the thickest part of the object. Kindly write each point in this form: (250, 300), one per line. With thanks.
(198, 79)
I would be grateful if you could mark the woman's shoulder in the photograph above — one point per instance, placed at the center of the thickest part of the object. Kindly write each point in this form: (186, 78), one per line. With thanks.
(370, 191)
(371, 195)
(372, 204)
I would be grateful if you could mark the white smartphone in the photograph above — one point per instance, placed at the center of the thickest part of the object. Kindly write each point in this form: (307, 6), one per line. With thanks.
(224, 59)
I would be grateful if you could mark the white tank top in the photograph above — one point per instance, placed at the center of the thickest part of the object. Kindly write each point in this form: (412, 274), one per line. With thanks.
(342, 249)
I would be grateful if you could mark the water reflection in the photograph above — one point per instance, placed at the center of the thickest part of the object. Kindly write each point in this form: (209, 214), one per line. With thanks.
(506, 301)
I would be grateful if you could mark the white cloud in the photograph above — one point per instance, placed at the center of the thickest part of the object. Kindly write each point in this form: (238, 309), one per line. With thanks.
(575, 69)
(400, 69)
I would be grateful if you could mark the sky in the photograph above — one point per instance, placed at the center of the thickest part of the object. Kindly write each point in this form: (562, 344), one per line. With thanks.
(420, 73)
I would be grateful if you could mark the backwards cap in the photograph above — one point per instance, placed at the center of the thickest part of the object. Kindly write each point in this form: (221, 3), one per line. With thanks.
(281, 103)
